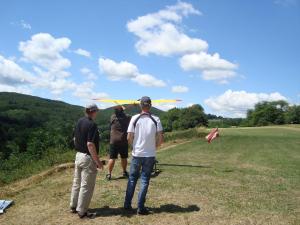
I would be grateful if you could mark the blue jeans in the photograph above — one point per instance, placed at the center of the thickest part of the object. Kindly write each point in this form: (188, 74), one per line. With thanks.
(145, 165)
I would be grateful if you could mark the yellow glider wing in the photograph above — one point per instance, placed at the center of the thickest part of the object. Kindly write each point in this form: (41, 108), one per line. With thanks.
(118, 101)
(166, 101)
(122, 101)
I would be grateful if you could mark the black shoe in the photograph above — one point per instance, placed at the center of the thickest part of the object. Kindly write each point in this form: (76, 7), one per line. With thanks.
(108, 177)
(73, 210)
(143, 211)
(125, 174)
(87, 215)
(128, 208)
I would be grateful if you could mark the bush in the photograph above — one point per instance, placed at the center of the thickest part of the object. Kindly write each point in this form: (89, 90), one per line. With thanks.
(184, 134)
(185, 118)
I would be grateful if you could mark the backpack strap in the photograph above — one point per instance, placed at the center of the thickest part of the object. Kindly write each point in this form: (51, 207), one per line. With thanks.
(145, 114)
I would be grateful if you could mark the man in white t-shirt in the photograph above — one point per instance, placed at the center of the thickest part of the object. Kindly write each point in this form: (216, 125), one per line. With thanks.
(145, 134)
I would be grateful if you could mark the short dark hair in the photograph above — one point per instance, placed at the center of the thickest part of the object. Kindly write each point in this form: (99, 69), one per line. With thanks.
(91, 108)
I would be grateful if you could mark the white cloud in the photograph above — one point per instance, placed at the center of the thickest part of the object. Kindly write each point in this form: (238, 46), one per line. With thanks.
(43, 53)
(159, 33)
(212, 67)
(59, 86)
(164, 107)
(45, 50)
(83, 52)
(162, 33)
(12, 74)
(125, 70)
(88, 73)
(147, 80)
(203, 61)
(85, 91)
(15, 78)
(18, 89)
(236, 103)
(117, 71)
(180, 89)
(25, 25)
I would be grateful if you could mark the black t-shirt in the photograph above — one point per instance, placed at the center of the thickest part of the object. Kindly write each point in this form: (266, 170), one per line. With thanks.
(86, 130)
(118, 129)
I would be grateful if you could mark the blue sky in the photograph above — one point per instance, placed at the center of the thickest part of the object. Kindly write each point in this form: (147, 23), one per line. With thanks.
(224, 55)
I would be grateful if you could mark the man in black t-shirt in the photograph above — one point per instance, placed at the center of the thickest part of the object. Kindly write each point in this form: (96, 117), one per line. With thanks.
(119, 122)
(86, 138)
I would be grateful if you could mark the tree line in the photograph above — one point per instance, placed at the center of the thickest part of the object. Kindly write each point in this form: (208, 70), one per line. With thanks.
(272, 113)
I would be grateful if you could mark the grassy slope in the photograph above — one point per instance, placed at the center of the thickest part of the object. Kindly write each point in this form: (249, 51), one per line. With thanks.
(248, 176)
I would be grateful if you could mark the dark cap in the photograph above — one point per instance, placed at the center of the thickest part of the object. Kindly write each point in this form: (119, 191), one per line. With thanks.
(145, 101)
(92, 108)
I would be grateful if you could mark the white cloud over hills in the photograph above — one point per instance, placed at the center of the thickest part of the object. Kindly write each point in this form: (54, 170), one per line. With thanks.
(44, 53)
(236, 103)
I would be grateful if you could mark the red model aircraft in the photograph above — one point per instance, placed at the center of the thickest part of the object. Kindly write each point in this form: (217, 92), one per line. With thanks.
(212, 135)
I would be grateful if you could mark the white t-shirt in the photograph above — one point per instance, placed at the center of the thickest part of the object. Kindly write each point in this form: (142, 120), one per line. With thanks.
(144, 141)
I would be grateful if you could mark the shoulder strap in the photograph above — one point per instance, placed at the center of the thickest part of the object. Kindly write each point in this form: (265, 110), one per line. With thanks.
(154, 121)
(145, 114)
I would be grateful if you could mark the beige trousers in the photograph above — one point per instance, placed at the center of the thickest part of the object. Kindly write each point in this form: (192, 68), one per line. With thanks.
(83, 182)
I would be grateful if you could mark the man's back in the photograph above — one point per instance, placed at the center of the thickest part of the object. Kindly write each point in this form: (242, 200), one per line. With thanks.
(145, 130)
(118, 132)
(86, 130)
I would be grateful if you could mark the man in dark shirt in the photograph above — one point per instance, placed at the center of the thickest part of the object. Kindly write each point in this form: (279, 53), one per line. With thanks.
(118, 140)
(86, 138)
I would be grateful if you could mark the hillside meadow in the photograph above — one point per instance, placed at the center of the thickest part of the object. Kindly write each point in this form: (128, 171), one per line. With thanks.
(247, 176)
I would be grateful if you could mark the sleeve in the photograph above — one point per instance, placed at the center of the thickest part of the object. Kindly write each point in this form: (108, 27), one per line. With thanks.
(130, 126)
(159, 126)
(92, 133)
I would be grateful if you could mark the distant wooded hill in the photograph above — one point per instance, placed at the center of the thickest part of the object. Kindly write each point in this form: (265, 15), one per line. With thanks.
(24, 117)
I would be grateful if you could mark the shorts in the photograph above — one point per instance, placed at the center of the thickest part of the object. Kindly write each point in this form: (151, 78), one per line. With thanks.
(114, 150)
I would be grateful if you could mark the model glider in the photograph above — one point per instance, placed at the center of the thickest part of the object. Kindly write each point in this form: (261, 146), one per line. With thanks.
(212, 135)
(135, 102)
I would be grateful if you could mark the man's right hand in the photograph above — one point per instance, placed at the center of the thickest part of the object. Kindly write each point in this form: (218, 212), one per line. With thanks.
(99, 165)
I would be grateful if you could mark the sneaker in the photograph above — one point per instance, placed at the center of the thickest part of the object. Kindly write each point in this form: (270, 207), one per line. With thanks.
(125, 174)
(87, 215)
(108, 177)
(73, 210)
(143, 211)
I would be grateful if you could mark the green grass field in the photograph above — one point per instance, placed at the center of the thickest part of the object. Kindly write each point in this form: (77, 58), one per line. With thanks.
(247, 176)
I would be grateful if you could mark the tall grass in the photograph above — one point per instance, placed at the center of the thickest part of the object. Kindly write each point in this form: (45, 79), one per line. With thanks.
(23, 166)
